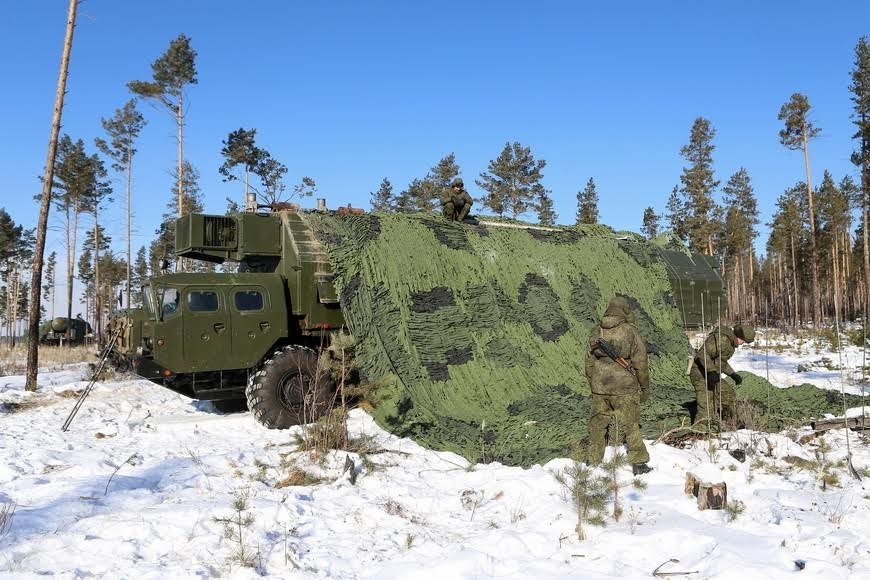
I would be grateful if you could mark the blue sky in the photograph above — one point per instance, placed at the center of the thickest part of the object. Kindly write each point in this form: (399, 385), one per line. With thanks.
(352, 92)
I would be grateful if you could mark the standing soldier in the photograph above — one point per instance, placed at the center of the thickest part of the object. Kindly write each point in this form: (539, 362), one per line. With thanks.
(710, 363)
(455, 201)
(618, 373)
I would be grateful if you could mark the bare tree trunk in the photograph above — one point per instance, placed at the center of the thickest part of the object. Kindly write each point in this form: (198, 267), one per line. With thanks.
(98, 314)
(179, 121)
(13, 294)
(865, 186)
(817, 314)
(129, 217)
(42, 222)
(836, 279)
(71, 255)
(752, 300)
(797, 308)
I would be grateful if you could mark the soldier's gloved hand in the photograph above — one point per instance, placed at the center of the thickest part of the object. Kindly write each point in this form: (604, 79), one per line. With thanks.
(712, 378)
(644, 395)
(736, 378)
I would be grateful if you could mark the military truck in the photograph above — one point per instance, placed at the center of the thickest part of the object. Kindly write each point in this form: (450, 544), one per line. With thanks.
(64, 330)
(254, 334)
(257, 334)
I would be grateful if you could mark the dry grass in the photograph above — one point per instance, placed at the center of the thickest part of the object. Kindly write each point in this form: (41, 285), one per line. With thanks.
(24, 405)
(13, 361)
(298, 477)
(7, 514)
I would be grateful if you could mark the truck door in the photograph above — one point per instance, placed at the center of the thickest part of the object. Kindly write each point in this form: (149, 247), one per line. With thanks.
(255, 327)
(206, 329)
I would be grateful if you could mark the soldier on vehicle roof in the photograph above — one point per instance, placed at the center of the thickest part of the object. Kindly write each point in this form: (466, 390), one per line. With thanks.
(619, 381)
(708, 366)
(455, 201)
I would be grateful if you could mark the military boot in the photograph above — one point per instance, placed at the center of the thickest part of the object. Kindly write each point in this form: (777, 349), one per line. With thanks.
(640, 468)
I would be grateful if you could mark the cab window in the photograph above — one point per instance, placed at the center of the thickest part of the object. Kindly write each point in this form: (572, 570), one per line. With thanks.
(202, 301)
(248, 300)
(169, 299)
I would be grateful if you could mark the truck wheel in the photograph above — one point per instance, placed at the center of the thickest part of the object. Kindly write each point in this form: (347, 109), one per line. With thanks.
(288, 389)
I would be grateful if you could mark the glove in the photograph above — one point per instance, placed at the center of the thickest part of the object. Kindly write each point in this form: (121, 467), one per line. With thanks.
(736, 378)
(644, 395)
(712, 379)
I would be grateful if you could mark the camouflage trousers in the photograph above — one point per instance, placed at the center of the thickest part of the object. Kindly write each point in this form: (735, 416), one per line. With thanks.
(714, 396)
(620, 416)
(457, 207)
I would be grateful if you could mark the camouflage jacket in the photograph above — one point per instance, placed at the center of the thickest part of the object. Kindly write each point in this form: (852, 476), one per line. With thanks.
(713, 356)
(448, 194)
(606, 376)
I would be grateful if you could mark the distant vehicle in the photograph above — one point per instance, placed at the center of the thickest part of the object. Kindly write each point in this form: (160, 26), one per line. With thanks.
(62, 330)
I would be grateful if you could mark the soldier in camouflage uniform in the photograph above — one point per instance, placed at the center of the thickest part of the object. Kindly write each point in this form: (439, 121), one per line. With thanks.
(455, 201)
(710, 363)
(616, 392)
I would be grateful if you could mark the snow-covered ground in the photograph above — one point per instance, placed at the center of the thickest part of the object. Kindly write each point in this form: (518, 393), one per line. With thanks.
(136, 487)
(787, 360)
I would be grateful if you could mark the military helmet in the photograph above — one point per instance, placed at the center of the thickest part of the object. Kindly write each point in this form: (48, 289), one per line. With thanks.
(619, 305)
(745, 332)
(457, 183)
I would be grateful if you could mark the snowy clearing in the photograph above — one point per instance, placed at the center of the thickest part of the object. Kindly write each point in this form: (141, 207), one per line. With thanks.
(138, 485)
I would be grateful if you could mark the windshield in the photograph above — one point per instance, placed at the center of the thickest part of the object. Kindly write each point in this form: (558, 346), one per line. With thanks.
(168, 298)
(148, 300)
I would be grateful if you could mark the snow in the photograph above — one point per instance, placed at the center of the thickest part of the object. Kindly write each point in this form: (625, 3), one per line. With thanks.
(136, 485)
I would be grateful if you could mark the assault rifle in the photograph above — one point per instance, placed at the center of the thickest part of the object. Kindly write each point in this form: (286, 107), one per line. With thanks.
(612, 353)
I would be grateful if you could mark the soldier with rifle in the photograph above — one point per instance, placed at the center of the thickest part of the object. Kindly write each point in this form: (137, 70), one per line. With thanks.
(618, 373)
(709, 364)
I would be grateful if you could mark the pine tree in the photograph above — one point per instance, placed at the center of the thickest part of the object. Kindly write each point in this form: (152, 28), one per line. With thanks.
(698, 186)
(123, 129)
(172, 72)
(512, 181)
(444, 172)
(423, 194)
(544, 207)
(587, 204)
(676, 215)
(163, 246)
(650, 226)
(140, 274)
(860, 89)
(787, 232)
(796, 134)
(241, 151)
(738, 235)
(77, 187)
(835, 221)
(34, 309)
(383, 199)
(48, 285)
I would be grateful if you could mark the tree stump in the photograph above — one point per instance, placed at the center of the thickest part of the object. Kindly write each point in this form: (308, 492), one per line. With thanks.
(711, 496)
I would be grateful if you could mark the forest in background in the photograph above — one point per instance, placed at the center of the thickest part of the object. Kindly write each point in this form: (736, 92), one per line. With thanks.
(813, 268)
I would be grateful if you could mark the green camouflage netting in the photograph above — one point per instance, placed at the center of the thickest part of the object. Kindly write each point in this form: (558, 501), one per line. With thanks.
(478, 332)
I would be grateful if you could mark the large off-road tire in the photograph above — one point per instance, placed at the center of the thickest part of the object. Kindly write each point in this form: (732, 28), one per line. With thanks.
(288, 389)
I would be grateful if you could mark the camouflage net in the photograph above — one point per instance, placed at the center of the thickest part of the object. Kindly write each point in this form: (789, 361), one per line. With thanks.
(478, 333)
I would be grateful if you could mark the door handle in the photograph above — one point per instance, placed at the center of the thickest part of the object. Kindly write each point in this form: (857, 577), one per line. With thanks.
(264, 326)
(219, 327)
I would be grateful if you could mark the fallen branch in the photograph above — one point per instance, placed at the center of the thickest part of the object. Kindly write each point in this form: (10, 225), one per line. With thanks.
(664, 574)
(691, 429)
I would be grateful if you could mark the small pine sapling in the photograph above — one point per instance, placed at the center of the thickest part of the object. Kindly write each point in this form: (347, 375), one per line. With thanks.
(823, 466)
(588, 492)
(234, 528)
